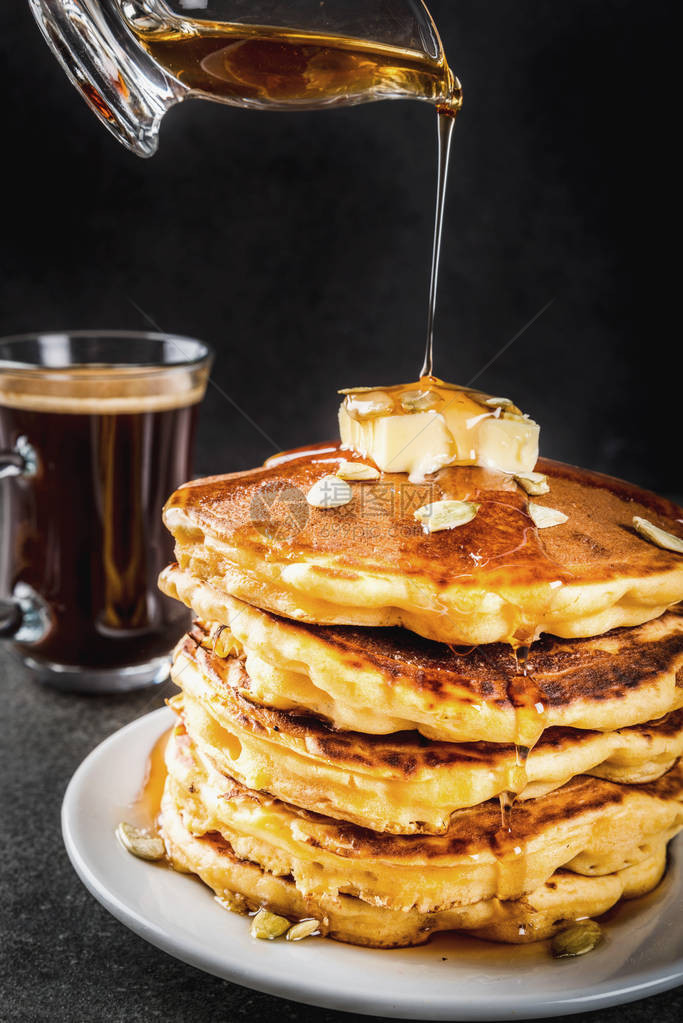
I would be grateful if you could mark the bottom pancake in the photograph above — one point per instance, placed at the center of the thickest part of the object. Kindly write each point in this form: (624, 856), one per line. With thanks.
(539, 914)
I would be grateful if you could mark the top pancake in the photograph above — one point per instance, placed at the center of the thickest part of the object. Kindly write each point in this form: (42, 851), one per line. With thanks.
(496, 579)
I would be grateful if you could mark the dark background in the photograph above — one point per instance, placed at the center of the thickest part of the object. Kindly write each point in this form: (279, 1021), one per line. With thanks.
(299, 244)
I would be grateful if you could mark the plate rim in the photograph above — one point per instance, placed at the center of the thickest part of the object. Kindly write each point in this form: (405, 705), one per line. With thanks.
(307, 991)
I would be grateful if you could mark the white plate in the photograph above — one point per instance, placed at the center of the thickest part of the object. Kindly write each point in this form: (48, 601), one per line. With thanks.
(451, 978)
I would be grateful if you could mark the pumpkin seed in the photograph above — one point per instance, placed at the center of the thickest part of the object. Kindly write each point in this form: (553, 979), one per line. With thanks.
(419, 401)
(535, 483)
(140, 843)
(357, 471)
(369, 405)
(224, 643)
(543, 517)
(267, 926)
(304, 929)
(658, 536)
(581, 937)
(355, 390)
(445, 514)
(329, 492)
(499, 402)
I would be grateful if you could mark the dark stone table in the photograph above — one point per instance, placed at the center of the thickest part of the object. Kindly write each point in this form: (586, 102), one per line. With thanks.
(62, 956)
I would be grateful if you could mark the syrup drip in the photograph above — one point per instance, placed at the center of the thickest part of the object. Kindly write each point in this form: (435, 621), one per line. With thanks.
(145, 808)
(527, 701)
(507, 800)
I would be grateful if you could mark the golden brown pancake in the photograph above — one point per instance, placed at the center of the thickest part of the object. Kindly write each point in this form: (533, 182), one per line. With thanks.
(404, 783)
(241, 884)
(590, 826)
(379, 681)
(497, 578)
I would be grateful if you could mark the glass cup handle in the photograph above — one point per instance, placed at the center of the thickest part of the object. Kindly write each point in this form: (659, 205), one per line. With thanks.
(21, 460)
(11, 618)
(22, 616)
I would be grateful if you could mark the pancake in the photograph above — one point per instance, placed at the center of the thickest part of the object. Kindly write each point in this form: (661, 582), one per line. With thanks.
(539, 914)
(495, 579)
(403, 784)
(379, 681)
(590, 826)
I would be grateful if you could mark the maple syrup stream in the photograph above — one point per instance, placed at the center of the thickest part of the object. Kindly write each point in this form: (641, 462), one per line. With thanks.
(445, 125)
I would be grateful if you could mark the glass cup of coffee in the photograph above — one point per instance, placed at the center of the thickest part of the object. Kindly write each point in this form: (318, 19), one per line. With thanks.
(96, 431)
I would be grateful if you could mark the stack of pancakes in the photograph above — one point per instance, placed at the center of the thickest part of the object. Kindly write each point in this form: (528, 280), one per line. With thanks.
(396, 732)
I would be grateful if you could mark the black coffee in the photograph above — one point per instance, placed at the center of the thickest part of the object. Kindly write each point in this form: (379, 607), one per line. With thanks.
(85, 531)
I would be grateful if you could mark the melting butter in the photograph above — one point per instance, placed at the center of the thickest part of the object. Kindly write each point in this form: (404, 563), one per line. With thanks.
(421, 427)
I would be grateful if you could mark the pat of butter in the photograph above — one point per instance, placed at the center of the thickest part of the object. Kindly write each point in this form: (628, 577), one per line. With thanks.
(420, 428)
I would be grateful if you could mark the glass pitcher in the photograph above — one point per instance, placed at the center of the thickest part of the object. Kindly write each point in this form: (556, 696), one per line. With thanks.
(133, 59)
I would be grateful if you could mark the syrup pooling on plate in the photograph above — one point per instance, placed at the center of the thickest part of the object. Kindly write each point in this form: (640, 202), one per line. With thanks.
(140, 833)
(145, 808)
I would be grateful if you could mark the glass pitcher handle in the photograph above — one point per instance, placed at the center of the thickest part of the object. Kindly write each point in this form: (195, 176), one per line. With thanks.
(120, 82)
